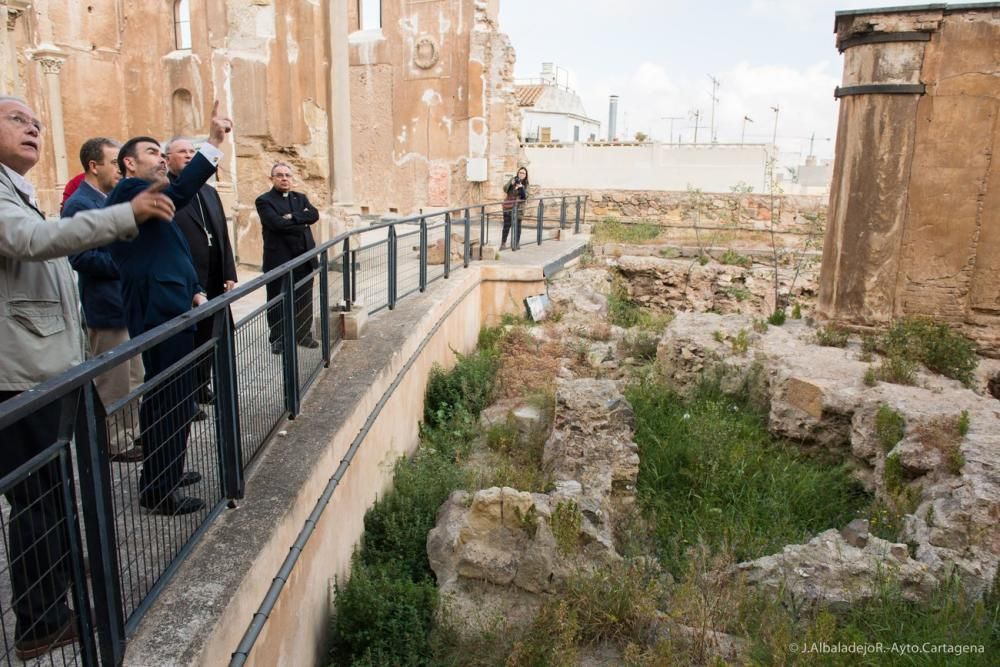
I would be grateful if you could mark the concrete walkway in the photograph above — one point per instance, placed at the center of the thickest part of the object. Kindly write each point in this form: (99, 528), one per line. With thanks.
(282, 483)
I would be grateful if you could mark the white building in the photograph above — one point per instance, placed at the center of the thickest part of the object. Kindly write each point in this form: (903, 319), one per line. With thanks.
(552, 112)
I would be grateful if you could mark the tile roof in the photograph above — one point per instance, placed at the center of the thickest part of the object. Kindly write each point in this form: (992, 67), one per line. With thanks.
(527, 96)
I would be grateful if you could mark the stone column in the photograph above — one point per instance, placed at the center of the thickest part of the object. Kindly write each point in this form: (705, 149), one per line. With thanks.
(51, 60)
(339, 108)
(9, 14)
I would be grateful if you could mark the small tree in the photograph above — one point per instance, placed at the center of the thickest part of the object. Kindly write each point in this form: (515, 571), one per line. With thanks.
(641, 137)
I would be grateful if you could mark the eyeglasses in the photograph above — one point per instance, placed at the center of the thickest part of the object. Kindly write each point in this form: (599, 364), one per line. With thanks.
(25, 121)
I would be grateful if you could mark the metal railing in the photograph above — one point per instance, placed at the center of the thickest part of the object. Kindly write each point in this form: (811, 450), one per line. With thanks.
(136, 526)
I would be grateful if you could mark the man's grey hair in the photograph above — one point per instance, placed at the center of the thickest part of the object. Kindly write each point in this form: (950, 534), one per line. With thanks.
(281, 164)
(170, 143)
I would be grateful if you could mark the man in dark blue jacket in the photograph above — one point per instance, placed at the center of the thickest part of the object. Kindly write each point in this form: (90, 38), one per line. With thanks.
(101, 293)
(159, 283)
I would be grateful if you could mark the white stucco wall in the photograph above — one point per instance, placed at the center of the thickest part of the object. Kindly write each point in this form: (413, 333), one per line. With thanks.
(652, 166)
(562, 126)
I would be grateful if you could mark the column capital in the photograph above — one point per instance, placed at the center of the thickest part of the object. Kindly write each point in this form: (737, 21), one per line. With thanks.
(15, 10)
(50, 57)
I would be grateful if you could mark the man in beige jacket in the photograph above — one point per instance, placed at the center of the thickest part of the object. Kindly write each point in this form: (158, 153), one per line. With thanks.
(41, 336)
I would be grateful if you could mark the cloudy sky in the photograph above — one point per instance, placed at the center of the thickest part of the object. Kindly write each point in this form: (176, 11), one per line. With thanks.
(657, 55)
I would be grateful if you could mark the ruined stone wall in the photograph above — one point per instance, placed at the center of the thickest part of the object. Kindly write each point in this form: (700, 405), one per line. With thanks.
(430, 95)
(915, 202)
(427, 93)
(750, 211)
(120, 75)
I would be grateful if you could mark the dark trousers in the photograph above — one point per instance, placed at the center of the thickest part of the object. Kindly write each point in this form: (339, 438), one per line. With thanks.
(303, 307)
(37, 553)
(507, 217)
(165, 416)
(204, 328)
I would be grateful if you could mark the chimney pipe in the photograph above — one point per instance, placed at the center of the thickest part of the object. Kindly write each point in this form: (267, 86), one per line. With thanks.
(612, 117)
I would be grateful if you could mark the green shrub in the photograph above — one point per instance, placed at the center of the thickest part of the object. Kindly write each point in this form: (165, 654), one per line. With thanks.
(964, 423)
(469, 384)
(897, 369)
(934, 345)
(626, 313)
(383, 617)
(777, 318)
(760, 326)
(954, 460)
(889, 427)
(892, 474)
(612, 230)
(741, 294)
(832, 336)
(710, 471)
(796, 311)
(704, 258)
(385, 611)
(719, 336)
(871, 376)
(733, 258)
(640, 345)
(565, 525)
(741, 342)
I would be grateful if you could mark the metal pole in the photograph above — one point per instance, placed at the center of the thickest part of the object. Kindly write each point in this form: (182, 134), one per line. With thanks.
(227, 406)
(540, 216)
(98, 518)
(391, 278)
(324, 306)
(289, 351)
(467, 249)
(482, 229)
(562, 213)
(576, 224)
(423, 254)
(348, 283)
(447, 245)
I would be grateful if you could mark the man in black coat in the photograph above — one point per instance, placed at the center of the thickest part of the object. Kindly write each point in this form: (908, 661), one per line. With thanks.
(203, 222)
(159, 283)
(286, 217)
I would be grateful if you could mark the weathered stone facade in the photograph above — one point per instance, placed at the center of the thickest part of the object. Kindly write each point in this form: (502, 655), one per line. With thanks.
(438, 75)
(914, 224)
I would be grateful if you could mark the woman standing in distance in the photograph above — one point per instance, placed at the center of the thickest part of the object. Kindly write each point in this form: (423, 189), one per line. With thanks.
(516, 191)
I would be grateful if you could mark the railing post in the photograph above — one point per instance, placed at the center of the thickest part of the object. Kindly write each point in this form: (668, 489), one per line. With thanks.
(562, 214)
(354, 276)
(467, 249)
(482, 229)
(74, 549)
(347, 261)
(391, 285)
(423, 254)
(227, 406)
(576, 225)
(541, 215)
(98, 518)
(324, 306)
(447, 245)
(583, 218)
(289, 350)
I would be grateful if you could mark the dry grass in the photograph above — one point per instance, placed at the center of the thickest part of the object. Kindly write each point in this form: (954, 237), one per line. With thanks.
(527, 365)
(945, 435)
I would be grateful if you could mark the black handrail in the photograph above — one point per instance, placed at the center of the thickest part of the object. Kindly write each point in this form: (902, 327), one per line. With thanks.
(126, 579)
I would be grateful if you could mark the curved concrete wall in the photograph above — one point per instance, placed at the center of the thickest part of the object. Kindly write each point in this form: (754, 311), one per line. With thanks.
(202, 616)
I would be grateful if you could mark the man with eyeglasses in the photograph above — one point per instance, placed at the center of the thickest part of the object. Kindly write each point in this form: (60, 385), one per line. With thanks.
(286, 217)
(40, 337)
